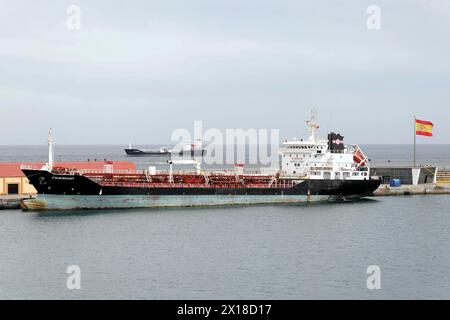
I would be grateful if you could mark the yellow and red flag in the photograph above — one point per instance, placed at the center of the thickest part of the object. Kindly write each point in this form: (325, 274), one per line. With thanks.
(424, 128)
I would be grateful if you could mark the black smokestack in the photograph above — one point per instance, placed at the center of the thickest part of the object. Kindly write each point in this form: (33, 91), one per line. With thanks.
(336, 143)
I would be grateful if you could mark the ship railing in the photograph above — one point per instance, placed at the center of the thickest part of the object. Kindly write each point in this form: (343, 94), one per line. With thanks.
(150, 185)
(158, 185)
(221, 184)
(100, 176)
(179, 172)
(103, 171)
(214, 173)
(422, 166)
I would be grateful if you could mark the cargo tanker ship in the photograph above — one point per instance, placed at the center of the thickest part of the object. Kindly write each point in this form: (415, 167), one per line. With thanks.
(314, 170)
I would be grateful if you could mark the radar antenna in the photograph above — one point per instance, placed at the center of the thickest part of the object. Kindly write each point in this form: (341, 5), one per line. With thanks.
(313, 125)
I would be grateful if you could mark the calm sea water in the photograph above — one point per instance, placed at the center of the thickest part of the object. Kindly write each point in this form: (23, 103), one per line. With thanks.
(379, 154)
(257, 252)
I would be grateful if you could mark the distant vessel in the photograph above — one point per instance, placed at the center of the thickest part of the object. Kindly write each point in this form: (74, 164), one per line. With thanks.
(315, 170)
(132, 152)
(193, 150)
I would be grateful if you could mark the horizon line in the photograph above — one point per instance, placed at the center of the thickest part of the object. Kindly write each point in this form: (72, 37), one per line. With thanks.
(161, 144)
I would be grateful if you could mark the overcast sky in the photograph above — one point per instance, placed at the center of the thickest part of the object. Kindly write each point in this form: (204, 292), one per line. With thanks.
(137, 70)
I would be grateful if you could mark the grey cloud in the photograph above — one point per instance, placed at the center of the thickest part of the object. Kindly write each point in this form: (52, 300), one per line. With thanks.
(139, 70)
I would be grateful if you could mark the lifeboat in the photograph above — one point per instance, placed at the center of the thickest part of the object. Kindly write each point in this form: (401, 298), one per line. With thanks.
(360, 158)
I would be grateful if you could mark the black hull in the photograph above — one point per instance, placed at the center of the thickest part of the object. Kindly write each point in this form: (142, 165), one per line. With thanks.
(48, 183)
(141, 153)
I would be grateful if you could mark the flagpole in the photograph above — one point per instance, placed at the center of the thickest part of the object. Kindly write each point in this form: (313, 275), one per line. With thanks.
(415, 137)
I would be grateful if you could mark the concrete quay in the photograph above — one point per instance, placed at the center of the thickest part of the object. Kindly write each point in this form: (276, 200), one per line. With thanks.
(407, 190)
(11, 201)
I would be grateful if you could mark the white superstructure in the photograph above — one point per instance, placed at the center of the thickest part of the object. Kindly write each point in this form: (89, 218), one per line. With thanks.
(322, 158)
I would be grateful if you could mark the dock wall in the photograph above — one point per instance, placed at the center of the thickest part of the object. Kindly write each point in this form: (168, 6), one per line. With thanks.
(10, 202)
(405, 190)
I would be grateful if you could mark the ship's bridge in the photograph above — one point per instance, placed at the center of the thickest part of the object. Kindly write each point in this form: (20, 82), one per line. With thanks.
(322, 159)
(300, 146)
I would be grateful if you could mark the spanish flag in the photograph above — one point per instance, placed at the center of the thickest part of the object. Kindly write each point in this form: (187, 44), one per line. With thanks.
(424, 128)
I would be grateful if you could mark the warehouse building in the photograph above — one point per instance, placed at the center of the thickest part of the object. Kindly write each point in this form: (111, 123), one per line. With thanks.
(407, 175)
(12, 180)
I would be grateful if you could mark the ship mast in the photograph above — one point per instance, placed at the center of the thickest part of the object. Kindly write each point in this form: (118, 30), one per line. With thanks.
(313, 126)
(50, 151)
